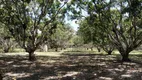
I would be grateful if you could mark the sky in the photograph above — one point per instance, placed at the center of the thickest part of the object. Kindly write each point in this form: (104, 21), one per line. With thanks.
(73, 24)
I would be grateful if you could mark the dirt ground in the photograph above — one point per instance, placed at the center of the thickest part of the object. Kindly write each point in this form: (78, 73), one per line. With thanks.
(70, 67)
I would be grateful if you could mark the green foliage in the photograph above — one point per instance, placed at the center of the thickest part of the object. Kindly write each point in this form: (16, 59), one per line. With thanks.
(62, 36)
(77, 41)
(115, 22)
(7, 42)
(31, 22)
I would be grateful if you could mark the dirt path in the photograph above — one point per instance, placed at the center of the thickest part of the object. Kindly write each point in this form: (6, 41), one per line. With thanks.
(70, 67)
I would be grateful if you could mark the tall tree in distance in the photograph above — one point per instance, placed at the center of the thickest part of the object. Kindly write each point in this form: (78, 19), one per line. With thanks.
(91, 31)
(6, 40)
(61, 37)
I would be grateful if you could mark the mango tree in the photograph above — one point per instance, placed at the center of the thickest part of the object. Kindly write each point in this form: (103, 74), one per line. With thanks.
(62, 36)
(31, 22)
(91, 32)
(122, 18)
(7, 42)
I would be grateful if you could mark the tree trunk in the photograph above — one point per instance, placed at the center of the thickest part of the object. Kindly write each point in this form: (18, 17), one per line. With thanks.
(91, 48)
(56, 49)
(109, 52)
(32, 56)
(1, 76)
(99, 50)
(6, 50)
(125, 57)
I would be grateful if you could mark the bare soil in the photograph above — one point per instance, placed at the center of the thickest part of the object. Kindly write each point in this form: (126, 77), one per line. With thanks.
(70, 67)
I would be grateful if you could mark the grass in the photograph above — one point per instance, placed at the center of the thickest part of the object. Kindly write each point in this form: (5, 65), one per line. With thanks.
(71, 51)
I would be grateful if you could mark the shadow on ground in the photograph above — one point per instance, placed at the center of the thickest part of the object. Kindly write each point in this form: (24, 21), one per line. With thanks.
(70, 67)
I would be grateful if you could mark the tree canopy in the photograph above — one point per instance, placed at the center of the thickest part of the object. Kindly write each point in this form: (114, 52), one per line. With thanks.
(31, 22)
(107, 23)
(120, 21)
